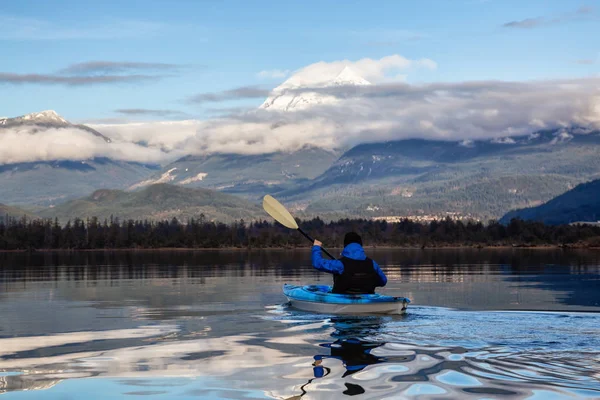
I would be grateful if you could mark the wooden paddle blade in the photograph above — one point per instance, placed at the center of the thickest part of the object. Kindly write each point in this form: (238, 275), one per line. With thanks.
(279, 212)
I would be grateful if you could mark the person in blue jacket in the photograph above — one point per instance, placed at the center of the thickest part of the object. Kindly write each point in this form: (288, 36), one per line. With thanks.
(354, 273)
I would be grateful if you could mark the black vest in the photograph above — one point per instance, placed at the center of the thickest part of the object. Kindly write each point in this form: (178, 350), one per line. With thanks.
(359, 277)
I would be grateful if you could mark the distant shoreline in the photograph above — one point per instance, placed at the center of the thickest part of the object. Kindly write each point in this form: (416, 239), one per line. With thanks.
(242, 249)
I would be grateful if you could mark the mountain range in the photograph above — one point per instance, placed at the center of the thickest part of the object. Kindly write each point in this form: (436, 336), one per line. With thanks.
(480, 179)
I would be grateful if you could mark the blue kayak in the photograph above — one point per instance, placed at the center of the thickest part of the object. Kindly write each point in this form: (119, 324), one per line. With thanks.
(318, 298)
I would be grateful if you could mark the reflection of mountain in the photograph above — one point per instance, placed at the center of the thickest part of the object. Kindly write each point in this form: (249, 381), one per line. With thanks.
(472, 279)
(18, 382)
(576, 290)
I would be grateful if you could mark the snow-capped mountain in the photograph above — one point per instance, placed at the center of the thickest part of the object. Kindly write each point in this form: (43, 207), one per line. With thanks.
(50, 182)
(46, 119)
(286, 98)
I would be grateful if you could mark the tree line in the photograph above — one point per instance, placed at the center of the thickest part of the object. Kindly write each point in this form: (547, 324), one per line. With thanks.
(79, 234)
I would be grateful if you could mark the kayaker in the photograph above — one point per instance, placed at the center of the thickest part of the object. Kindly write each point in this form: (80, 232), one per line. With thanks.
(354, 273)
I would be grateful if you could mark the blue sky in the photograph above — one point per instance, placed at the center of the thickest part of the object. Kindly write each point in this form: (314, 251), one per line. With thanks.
(173, 50)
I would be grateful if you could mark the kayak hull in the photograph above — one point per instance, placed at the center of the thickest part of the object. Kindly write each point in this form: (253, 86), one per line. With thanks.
(318, 298)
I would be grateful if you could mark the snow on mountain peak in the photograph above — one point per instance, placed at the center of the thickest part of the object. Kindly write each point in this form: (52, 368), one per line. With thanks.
(285, 99)
(48, 116)
(349, 77)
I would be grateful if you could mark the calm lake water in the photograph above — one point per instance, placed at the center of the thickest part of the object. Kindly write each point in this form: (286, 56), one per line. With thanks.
(483, 324)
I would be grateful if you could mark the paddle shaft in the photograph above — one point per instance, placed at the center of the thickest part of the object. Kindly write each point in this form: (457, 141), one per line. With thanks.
(313, 240)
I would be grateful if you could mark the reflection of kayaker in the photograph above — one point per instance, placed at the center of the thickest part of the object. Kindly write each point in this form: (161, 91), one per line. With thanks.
(355, 354)
(354, 273)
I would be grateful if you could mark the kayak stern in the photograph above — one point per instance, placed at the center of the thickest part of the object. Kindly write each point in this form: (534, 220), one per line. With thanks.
(319, 299)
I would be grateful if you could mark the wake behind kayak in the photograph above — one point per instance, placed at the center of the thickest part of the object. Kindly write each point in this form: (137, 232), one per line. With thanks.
(318, 298)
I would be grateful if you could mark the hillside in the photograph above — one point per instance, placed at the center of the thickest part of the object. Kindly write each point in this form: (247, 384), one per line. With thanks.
(13, 212)
(581, 204)
(157, 202)
(483, 179)
(246, 175)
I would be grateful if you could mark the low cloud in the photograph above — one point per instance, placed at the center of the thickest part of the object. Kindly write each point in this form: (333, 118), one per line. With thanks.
(581, 14)
(244, 92)
(273, 74)
(447, 111)
(28, 144)
(585, 62)
(166, 136)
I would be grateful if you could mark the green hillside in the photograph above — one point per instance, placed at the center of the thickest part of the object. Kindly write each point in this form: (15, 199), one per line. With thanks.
(13, 212)
(157, 202)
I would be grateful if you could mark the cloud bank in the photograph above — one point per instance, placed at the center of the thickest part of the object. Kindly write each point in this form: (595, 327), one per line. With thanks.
(446, 111)
(384, 111)
(27, 144)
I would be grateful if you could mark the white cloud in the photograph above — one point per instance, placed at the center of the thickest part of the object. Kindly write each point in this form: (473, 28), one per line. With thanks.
(459, 111)
(273, 74)
(374, 70)
(25, 145)
(164, 135)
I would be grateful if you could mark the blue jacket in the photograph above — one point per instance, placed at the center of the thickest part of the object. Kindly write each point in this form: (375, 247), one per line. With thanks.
(353, 251)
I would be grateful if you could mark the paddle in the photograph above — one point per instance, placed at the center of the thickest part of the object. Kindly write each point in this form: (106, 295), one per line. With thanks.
(283, 216)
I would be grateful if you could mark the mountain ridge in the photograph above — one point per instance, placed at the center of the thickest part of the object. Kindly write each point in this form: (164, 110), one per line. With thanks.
(156, 202)
(47, 119)
(580, 204)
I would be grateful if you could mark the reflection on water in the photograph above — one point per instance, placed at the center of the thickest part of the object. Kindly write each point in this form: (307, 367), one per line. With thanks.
(213, 325)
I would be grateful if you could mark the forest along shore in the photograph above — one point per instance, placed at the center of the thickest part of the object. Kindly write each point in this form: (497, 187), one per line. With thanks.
(37, 234)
